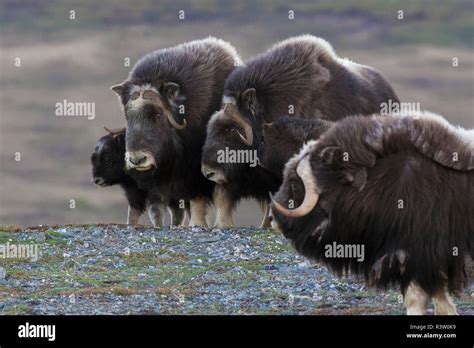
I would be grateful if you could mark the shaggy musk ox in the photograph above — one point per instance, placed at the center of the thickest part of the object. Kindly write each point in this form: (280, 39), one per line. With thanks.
(400, 187)
(300, 76)
(284, 138)
(108, 168)
(168, 98)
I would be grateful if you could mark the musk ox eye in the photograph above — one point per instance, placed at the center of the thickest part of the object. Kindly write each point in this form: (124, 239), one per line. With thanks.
(108, 161)
(134, 95)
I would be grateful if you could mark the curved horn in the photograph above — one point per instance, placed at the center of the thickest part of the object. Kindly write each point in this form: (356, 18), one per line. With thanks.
(311, 192)
(108, 130)
(247, 137)
(115, 132)
(175, 124)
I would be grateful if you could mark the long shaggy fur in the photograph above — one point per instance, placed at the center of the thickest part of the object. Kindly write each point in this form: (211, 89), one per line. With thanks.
(303, 72)
(199, 68)
(284, 138)
(389, 184)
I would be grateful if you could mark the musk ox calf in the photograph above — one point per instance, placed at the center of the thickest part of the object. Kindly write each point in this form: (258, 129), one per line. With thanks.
(399, 189)
(300, 76)
(168, 98)
(284, 138)
(108, 168)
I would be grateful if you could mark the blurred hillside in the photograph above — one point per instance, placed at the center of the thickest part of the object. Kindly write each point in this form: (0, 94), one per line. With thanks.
(80, 59)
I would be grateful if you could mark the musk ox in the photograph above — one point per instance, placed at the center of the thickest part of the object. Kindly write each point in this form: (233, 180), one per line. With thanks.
(168, 98)
(284, 138)
(300, 76)
(108, 168)
(402, 188)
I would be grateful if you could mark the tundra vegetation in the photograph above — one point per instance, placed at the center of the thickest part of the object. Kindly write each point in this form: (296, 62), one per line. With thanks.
(115, 269)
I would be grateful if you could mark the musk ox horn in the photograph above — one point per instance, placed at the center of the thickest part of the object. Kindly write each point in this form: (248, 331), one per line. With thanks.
(175, 124)
(311, 192)
(115, 131)
(108, 130)
(247, 137)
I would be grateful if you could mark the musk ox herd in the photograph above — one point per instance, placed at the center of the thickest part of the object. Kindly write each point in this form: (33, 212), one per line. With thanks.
(301, 131)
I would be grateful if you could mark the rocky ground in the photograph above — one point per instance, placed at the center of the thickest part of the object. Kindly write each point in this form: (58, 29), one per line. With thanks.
(116, 269)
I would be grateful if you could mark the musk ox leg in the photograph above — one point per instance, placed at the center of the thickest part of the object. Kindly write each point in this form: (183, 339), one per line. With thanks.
(416, 300)
(186, 216)
(156, 214)
(266, 223)
(177, 215)
(198, 212)
(444, 305)
(224, 208)
(133, 215)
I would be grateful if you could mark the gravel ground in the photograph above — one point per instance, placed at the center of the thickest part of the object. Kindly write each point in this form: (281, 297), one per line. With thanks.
(116, 269)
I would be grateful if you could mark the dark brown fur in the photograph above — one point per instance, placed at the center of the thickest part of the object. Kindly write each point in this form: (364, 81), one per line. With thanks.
(284, 138)
(200, 69)
(427, 240)
(302, 72)
(108, 169)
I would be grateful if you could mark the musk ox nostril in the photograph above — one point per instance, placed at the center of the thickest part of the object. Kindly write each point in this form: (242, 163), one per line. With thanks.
(207, 172)
(98, 180)
(137, 160)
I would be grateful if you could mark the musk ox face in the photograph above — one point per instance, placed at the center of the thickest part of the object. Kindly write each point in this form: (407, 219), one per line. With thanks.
(313, 181)
(108, 159)
(230, 131)
(151, 112)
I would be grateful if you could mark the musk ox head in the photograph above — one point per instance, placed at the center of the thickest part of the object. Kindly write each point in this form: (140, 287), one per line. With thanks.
(108, 163)
(313, 181)
(153, 116)
(284, 138)
(233, 128)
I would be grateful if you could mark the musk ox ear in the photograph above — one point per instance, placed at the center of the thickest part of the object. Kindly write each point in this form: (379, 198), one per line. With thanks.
(171, 91)
(358, 179)
(249, 99)
(120, 89)
(323, 76)
(119, 139)
(331, 154)
(117, 134)
(267, 127)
